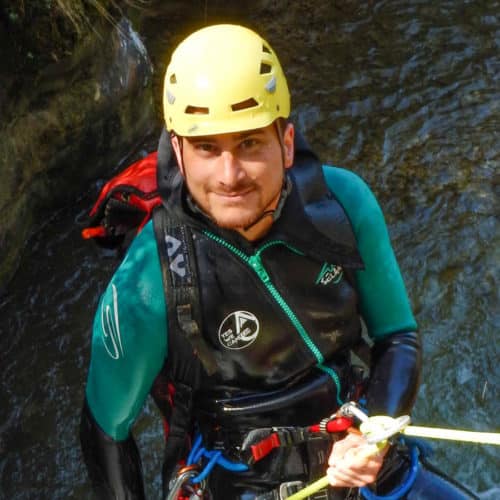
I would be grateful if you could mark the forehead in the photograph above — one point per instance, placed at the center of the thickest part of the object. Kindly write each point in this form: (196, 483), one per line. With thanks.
(234, 136)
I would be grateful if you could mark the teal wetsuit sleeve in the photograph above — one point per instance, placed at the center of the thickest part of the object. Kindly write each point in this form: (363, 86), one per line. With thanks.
(384, 302)
(129, 339)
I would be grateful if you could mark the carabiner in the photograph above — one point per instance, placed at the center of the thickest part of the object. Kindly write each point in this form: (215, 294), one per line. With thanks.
(351, 409)
(183, 478)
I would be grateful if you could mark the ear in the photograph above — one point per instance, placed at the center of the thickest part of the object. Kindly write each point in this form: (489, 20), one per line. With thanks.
(288, 145)
(177, 146)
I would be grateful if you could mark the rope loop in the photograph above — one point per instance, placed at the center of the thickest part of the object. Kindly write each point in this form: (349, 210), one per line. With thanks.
(214, 457)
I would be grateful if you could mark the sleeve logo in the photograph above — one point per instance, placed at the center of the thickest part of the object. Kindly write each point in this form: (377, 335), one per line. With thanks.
(110, 325)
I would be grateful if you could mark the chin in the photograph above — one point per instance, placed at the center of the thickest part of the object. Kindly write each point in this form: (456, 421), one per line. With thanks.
(238, 221)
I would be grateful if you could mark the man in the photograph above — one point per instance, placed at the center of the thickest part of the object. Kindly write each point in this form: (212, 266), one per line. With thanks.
(255, 324)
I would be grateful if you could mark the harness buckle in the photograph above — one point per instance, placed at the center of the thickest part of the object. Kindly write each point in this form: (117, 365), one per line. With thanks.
(289, 488)
(258, 443)
(264, 447)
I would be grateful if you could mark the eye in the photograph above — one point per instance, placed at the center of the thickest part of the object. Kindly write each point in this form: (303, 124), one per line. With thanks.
(249, 143)
(205, 147)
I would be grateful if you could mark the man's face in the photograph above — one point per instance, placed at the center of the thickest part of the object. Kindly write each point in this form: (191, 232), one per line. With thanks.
(234, 178)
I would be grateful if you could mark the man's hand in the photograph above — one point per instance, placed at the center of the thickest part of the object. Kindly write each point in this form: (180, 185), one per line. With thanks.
(354, 463)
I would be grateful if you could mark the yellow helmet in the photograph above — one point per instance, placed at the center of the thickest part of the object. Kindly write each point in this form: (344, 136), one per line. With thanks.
(223, 78)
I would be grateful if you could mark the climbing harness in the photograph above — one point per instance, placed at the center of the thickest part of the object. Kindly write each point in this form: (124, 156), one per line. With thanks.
(377, 430)
(257, 445)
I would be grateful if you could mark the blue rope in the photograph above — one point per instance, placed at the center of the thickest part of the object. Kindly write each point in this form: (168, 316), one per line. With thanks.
(214, 458)
(402, 489)
(194, 449)
(425, 448)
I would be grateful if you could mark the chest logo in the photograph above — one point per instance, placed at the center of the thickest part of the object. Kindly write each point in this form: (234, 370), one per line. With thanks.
(177, 263)
(329, 273)
(238, 330)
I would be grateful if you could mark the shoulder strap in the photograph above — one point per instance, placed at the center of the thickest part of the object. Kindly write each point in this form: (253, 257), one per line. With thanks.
(189, 358)
(180, 280)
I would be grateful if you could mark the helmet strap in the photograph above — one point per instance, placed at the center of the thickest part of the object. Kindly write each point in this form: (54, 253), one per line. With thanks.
(180, 142)
(276, 212)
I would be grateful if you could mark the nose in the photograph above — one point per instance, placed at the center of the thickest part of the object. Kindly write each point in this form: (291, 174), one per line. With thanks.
(231, 170)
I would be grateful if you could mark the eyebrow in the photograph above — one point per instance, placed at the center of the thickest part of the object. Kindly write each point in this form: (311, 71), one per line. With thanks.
(239, 136)
(247, 133)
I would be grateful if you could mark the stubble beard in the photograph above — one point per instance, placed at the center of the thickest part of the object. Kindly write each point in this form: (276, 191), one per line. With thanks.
(237, 223)
(243, 222)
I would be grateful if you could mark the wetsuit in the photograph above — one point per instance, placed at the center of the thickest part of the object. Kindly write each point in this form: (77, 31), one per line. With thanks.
(277, 316)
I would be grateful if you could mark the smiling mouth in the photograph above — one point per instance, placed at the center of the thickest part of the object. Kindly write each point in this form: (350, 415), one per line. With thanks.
(234, 195)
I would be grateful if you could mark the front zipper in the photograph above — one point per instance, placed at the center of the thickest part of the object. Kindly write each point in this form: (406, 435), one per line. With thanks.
(255, 262)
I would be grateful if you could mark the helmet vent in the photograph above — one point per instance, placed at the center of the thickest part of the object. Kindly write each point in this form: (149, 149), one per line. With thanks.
(265, 68)
(247, 103)
(265, 48)
(196, 110)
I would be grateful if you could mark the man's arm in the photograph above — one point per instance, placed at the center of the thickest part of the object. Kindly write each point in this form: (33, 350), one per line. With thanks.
(128, 351)
(394, 375)
(396, 355)
(384, 305)
(114, 467)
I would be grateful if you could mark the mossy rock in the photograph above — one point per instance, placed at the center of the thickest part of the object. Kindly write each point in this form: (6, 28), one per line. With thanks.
(81, 115)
